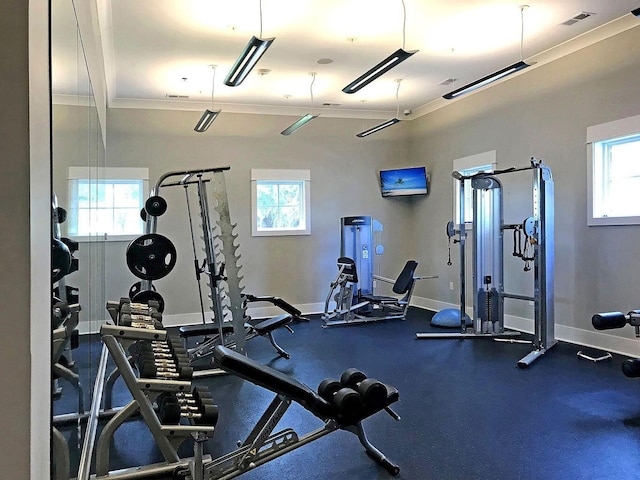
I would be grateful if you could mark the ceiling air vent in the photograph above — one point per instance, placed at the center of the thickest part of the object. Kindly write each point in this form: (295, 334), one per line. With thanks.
(448, 81)
(576, 18)
(329, 104)
(173, 96)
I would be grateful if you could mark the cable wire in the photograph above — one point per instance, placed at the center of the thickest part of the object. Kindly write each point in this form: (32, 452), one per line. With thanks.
(260, 19)
(213, 84)
(404, 24)
(398, 98)
(522, 7)
(313, 80)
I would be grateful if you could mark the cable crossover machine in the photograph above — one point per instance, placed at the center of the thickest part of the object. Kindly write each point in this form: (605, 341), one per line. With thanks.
(533, 243)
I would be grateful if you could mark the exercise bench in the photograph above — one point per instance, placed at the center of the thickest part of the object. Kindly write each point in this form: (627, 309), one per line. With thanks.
(345, 410)
(211, 334)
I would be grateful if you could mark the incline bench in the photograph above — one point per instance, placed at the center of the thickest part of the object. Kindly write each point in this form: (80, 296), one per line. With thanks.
(339, 407)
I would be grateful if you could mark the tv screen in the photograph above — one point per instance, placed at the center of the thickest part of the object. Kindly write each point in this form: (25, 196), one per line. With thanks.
(404, 181)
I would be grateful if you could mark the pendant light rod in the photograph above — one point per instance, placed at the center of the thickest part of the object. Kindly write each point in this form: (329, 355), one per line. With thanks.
(385, 65)
(504, 72)
(251, 54)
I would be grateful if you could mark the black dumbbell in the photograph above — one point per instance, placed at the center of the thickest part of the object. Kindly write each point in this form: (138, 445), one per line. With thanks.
(163, 352)
(373, 392)
(346, 400)
(149, 368)
(169, 411)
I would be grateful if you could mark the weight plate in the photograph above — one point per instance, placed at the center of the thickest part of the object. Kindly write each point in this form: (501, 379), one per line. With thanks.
(143, 214)
(61, 215)
(60, 259)
(155, 205)
(137, 288)
(145, 296)
(151, 256)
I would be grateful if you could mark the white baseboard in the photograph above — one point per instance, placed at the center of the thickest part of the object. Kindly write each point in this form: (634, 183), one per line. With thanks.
(578, 336)
(179, 319)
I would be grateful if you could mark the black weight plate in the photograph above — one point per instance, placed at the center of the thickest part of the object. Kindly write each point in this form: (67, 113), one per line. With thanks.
(61, 213)
(151, 256)
(155, 206)
(143, 214)
(145, 296)
(60, 259)
(137, 288)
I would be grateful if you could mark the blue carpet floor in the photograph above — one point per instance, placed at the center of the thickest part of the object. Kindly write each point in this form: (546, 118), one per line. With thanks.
(467, 411)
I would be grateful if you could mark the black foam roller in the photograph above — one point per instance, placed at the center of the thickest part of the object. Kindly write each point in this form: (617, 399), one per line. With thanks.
(631, 367)
(608, 320)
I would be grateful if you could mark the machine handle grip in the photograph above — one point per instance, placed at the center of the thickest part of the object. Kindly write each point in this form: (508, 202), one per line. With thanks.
(631, 367)
(608, 320)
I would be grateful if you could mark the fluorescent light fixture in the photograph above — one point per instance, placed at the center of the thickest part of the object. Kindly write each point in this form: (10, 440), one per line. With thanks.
(487, 80)
(247, 60)
(298, 123)
(384, 66)
(636, 12)
(377, 128)
(206, 120)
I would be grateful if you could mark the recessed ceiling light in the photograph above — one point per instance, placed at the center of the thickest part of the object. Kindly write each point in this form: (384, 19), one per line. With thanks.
(325, 61)
(263, 71)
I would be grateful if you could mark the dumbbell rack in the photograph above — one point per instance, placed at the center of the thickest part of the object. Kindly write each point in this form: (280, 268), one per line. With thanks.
(141, 325)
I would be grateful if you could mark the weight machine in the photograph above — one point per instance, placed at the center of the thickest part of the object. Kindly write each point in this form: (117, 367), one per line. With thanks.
(152, 256)
(533, 242)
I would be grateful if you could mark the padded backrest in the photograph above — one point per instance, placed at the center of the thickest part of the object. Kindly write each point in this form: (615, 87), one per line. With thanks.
(405, 279)
(349, 269)
(271, 379)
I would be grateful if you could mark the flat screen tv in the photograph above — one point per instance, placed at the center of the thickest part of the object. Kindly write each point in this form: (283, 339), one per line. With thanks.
(404, 181)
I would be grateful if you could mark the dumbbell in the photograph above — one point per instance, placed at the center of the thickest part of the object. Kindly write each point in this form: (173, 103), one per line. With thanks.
(168, 348)
(198, 394)
(346, 400)
(150, 368)
(140, 321)
(169, 411)
(163, 352)
(373, 392)
(172, 407)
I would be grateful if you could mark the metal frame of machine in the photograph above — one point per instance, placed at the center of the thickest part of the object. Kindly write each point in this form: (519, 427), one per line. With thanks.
(488, 250)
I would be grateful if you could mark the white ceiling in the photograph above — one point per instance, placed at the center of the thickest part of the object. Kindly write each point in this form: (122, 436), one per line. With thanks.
(155, 48)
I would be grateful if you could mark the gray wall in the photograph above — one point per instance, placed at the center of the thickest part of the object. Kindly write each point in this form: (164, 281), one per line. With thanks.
(543, 113)
(24, 215)
(297, 268)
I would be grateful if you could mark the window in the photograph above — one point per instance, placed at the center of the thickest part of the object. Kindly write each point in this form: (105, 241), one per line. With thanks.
(280, 202)
(614, 172)
(481, 162)
(106, 202)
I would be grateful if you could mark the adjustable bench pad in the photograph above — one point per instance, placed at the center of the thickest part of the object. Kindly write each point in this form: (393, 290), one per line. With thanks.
(271, 324)
(282, 384)
(261, 328)
(200, 330)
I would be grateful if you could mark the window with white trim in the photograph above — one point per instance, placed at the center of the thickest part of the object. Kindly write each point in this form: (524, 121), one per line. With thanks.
(614, 172)
(481, 162)
(280, 202)
(106, 202)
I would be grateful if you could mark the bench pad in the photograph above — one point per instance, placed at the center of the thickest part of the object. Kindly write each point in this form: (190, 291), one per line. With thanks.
(282, 384)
